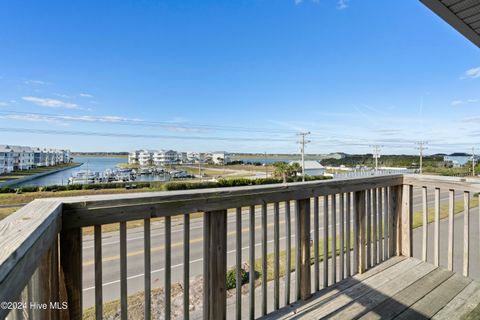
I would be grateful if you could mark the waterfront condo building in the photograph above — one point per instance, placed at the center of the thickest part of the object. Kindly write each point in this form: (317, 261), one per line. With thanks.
(17, 158)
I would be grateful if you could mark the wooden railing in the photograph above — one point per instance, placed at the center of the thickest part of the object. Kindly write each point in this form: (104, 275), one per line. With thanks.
(361, 222)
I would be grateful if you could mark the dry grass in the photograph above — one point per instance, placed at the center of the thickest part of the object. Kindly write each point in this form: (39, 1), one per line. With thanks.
(4, 212)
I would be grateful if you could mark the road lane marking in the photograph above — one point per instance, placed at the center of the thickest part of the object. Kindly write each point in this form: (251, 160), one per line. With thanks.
(159, 248)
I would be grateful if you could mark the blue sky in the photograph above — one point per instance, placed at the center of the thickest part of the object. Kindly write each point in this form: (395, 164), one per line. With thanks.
(236, 75)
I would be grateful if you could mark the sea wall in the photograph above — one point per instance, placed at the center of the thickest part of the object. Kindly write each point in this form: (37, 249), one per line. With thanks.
(14, 182)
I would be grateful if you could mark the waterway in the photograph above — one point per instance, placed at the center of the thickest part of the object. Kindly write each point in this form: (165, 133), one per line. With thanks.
(98, 164)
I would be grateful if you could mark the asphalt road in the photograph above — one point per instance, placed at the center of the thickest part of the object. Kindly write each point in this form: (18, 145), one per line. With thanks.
(135, 263)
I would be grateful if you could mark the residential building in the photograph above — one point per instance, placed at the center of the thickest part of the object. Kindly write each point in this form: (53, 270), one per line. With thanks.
(220, 157)
(133, 157)
(14, 158)
(164, 157)
(312, 168)
(145, 157)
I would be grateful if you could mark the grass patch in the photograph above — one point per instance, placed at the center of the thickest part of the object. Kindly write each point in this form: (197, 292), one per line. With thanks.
(458, 208)
(5, 212)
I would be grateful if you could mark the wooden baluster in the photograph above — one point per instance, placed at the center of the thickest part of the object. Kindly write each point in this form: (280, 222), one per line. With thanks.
(334, 238)
(381, 257)
(386, 231)
(264, 259)
(425, 223)
(97, 248)
(288, 245)
(238, 274)
(348, 230)
(369, 228)
(451, 212)
(303, 214)
(356, 237)
(316, 244)
(71, 264)
(342, 235)
(276, 256)
(360, 239)
(123, 271)
(215, 263)
(148, 267)
(396, 214)
(186, 266)
(325, 241)
(437, 227)
(466, 232)
(251, 252)
(374, 225)
(406, 221)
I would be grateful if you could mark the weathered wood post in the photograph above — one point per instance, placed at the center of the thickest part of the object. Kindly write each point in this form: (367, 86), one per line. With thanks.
(71, 267)
(44, 285)
(215, 265)
(405, 232)
(361, 241)
(303, 218)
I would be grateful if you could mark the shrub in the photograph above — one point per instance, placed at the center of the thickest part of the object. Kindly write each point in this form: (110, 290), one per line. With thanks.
(7, 190)
(232, 278)
(28, 189)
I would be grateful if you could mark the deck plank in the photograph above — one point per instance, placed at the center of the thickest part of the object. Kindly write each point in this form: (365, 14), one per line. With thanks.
(400, 288)
(325, 308)
(332, 291)
(464, 303)
(429, 305)
(382, 293)
(407, 297)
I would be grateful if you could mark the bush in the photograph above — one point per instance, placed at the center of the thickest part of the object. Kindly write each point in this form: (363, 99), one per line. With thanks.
(7, 190)
(232, 278)
(28, 189)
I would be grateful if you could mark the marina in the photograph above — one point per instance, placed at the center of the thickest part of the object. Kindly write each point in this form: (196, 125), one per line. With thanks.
(104, 170)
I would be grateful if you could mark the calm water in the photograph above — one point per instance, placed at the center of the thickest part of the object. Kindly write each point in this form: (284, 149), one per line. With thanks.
(99, 164)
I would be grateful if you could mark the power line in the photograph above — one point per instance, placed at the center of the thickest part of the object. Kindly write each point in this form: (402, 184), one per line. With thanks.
(302, 142)
(421, 147)
(130, 135)
(115, 120)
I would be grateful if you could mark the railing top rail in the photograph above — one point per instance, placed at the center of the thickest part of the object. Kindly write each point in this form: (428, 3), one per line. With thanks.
(447, 183)
(102, 209)
(25, 236)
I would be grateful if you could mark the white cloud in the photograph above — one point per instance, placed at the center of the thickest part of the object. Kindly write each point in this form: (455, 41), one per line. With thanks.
(472, 73)
(3, 104)
(86, 95)
(51, 103)
(342, 4)
(297, 2)
(460, 102)
(36, 82)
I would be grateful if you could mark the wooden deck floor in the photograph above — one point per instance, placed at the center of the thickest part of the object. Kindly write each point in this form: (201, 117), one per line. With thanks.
(400, 288)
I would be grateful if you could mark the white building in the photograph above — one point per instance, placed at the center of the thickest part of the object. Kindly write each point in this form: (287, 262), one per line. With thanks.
(145, 157)
(13, 158)
(220, 157)
(312, 168)
(133, 157)
(164, 157)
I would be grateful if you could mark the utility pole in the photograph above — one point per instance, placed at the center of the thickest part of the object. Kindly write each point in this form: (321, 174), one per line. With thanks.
(421, 146)
(302, 142)
(473, 161)
(200, 166)
(376, 154)
(266, 166)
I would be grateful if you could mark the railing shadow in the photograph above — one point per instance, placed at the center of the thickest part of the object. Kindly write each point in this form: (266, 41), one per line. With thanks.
(312, 308)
